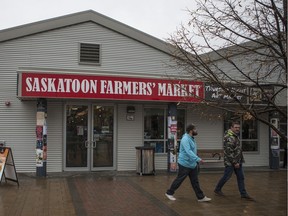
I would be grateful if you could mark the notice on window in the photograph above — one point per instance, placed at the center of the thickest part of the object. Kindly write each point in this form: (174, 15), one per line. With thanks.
(105, 129)
(80, 130)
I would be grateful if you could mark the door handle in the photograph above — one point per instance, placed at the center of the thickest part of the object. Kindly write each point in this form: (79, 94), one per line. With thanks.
(94, 144)
(86, 144)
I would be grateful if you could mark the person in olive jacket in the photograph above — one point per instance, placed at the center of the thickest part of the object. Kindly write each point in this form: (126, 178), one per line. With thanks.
(233, 160)
(187, 163)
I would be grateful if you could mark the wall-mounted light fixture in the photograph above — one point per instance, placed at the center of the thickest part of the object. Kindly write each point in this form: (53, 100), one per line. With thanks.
(130, 113)
(130, 117)
(7, 103)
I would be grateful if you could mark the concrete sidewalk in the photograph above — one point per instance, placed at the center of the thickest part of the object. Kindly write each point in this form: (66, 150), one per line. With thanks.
(122, 193)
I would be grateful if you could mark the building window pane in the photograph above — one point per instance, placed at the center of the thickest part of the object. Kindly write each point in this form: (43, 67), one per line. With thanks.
(249, 129)
(154, 123)
(155, 128)
(248, 134)
(248, 146)
(158, 145)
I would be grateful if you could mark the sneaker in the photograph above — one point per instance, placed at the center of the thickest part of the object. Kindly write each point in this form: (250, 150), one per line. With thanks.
(170, 197)
(247, 197)
(219, 193)
(205, 199)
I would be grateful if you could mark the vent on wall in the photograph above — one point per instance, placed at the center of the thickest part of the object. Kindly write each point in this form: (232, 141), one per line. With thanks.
(89, 53)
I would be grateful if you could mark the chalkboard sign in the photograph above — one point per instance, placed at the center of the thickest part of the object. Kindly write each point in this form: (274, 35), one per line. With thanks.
(7, 166)
(214, 93)
(261, 96)
(249, 95)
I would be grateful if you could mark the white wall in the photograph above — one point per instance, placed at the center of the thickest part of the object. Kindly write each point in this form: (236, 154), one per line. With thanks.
(55, 135)
(130, 135)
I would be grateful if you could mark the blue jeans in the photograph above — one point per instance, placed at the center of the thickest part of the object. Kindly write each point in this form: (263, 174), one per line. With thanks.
(227, 175)
(183, 172)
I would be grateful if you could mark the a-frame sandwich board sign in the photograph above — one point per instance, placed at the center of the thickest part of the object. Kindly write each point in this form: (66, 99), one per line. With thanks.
(7, 166)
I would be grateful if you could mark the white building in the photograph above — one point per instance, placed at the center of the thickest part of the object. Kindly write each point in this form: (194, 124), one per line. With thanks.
(107, 89)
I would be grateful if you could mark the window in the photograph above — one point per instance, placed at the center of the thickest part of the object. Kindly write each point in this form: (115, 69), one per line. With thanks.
(248, 134)
(155, 128)
(89, 53)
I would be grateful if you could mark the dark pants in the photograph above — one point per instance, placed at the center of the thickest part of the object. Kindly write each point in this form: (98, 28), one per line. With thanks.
(227, 175)
(183, 172)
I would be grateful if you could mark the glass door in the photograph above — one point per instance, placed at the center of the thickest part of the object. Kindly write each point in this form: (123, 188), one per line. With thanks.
(103, 137)
(89, 137)
(77, 143)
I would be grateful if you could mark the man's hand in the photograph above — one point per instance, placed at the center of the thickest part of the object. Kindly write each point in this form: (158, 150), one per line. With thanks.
(201, 161)
(237, 165)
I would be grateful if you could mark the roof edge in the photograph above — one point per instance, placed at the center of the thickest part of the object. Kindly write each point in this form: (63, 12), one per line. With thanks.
(81, 17)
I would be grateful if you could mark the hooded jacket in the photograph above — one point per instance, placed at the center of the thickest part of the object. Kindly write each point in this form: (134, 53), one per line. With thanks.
(232, 149)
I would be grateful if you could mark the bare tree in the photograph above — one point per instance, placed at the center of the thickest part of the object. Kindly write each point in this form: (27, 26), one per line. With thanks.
(239, 49)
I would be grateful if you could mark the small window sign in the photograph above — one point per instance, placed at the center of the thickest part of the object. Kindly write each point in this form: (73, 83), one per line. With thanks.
(130, 117)
(105, 129)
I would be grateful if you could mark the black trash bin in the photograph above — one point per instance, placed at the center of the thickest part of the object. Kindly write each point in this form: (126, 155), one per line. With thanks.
(145, 160)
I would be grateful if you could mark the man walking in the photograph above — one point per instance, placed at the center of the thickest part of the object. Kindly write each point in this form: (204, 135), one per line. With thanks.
(187, 163)
(233, 159)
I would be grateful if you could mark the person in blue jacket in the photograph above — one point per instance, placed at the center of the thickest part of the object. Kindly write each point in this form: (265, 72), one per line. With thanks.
(187, 163)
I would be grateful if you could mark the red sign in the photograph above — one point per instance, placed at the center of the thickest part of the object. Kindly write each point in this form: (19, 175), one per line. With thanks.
(173, 128)
(52, 85)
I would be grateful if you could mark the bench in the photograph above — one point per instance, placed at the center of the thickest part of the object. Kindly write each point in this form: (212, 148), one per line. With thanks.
(211, 155)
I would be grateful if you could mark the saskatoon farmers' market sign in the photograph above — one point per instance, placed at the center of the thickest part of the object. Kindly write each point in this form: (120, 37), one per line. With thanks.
(54, 85)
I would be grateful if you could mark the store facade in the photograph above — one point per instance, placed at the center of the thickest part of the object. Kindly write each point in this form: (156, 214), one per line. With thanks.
(108, 89)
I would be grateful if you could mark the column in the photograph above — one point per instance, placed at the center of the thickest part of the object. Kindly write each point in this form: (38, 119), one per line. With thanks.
(172, 137)
(41, 138)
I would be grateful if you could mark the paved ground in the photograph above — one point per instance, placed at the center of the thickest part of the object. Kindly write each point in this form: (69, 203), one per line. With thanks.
(121, 194)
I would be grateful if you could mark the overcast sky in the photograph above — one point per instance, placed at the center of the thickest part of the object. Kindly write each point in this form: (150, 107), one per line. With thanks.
(158, 18)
